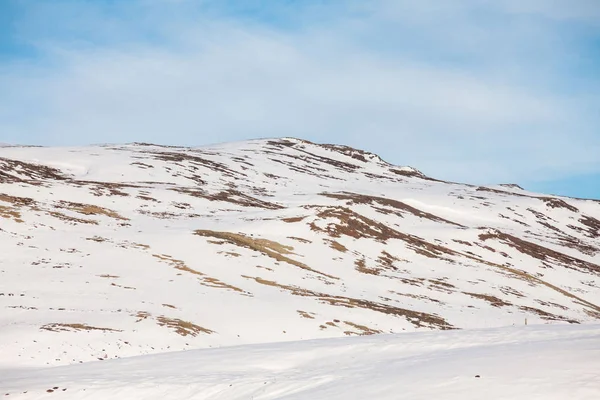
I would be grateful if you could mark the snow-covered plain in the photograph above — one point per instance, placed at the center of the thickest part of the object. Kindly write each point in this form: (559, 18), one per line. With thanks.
(529, 363)
(112, 252)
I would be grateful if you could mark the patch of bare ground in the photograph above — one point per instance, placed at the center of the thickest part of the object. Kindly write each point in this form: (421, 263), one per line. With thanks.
(305, 314)
(108, 276)
(70, 219)
(546, 315)
(417, 296)
(142, 315)
(147, 198)
(293, 219)
(267, 247)
(58, 327)
(360, 265)
(531, 278)
(142, 165)
(462, 242)
(396, 206)
(592, 224)
(540, 252)
(89, 209)
(577, 244)
(230, 196)
(203, 278)
(18, 201)
(358, 226)
(14, 171)
(387, 261)
(98, 239)
(123, 287)
(551, 304)
(511, 186)
(183, 328)
(558, 203)
(413, 174)
(99, 189)
(593, 313)
(301, 240)
(493, 300)
(230, 253)
(497, 191)
(195, 161)
(336, 245)
(11, 213)
(418, 319)
(169, 306)
(441, 286)
(307, 158)
(510, 291)
(362, 329)
(164, 214)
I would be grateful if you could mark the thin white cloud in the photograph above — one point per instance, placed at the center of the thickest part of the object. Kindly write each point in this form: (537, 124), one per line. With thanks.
(199, 80)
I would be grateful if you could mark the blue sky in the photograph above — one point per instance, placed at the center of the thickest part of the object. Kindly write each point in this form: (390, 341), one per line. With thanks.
(477, 91)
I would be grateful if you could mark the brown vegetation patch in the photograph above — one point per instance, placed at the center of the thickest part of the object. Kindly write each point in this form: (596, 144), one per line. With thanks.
(386, 260)
(417, 296)
(267, 247)
(336, 245)
(418, 319)
(98, 239)
(142, 315)
(10, 213)
(181, 327)
(351, 152)
(397, 206)
(204, 279)
(194, 161)
(362, 329)
(147, 198)
(462, 242)
(540, 252)
(293, 219)
(302, 240)
(361, 266)
(14, 171)
(574, 243)
(305, 314)
(89, 209)
(358, 226)
(593, 225)
(18, 201)
(558, 203)
(123, 287)
(58, 327)
(510, 291)
(70, 219)
(230, 196)
(546, 315)
(493, 300)
(412, 174)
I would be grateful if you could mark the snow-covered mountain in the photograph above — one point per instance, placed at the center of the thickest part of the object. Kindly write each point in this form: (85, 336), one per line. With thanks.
(115, 251)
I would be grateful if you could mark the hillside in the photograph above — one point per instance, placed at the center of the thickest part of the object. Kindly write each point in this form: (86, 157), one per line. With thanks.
(116, 251)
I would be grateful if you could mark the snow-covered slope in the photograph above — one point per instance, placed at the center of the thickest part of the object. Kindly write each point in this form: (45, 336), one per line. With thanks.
(528, 363)
(115, 251)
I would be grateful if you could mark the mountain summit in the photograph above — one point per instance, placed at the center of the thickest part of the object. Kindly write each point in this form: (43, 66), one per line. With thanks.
(112, 251)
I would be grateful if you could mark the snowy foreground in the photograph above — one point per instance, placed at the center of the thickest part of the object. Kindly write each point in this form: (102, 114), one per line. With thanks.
(531, 362)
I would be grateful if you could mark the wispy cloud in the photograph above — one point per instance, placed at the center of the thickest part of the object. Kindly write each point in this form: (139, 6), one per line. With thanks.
(481, 91)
